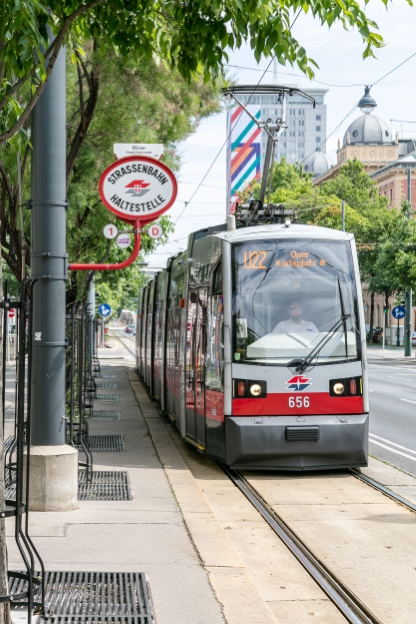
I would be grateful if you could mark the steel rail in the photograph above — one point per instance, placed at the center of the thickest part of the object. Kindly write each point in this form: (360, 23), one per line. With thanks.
(115, 335)
(383, 489)
(340, 595)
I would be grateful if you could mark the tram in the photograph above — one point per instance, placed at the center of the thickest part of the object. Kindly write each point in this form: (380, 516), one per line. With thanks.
(253, 340)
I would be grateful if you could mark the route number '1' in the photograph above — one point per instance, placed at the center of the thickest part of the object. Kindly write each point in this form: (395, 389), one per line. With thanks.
(299, 401)
(110, 231)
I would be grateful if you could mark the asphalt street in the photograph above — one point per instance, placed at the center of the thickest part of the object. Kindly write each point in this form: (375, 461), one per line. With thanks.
(393, 414)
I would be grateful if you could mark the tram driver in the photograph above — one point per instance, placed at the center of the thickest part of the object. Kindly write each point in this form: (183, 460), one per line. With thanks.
(295, 323)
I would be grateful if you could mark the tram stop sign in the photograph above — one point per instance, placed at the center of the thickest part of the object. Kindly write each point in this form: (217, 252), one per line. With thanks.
(399, 312)
(138, 188)
(104, 310)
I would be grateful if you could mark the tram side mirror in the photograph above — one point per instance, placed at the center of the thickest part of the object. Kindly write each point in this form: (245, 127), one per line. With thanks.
(242, 333)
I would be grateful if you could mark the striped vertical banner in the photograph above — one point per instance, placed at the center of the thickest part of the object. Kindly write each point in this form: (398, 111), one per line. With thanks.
(243, 152)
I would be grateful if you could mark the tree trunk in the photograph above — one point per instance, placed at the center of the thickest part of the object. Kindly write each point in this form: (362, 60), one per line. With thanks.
(386, 315)
(371, 317)
(4, 608)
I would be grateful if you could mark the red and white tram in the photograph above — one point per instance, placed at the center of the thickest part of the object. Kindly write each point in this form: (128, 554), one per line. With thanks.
(253, 341)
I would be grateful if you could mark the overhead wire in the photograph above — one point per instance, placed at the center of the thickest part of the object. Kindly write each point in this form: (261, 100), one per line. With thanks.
(231, 129)
(355, 106)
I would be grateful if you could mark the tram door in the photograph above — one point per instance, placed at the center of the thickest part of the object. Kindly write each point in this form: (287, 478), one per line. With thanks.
(195, 365)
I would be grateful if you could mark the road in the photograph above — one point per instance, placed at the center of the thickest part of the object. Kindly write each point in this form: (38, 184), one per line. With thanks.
(393, 414)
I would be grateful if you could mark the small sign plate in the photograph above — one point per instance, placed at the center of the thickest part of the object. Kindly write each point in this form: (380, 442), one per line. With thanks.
(138, 188)
(123, 241)
(110, 231)
(155, 231)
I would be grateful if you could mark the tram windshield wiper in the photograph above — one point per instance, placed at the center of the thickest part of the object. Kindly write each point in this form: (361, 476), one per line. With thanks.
(302, 365)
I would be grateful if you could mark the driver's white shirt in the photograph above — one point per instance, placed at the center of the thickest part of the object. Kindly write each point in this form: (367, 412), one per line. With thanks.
(290, 327)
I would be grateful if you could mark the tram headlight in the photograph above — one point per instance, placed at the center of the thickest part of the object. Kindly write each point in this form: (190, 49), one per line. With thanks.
(350, 386)
(339, 388)
(255, 389)
(249, 389)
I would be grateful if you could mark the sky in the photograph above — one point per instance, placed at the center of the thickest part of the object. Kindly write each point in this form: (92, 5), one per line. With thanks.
(344, 72)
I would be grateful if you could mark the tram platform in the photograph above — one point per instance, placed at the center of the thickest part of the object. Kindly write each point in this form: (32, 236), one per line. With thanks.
(207, 554)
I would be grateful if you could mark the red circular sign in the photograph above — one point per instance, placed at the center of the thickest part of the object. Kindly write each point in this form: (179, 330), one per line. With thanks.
(138, 188)
(11, 313)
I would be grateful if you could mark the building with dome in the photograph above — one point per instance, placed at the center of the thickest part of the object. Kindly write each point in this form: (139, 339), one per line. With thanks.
(368, 138)
(318, 163)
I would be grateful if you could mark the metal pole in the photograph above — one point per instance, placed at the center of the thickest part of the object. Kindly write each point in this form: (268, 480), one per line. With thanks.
(398, 334)
(343, 216)
(384, 329)
(49, 260)
(408, 304)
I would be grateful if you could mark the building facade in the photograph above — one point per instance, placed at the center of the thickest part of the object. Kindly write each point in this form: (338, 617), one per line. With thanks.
(307, 126)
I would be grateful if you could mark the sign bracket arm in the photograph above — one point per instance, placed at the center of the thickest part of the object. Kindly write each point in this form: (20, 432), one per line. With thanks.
(113, 267)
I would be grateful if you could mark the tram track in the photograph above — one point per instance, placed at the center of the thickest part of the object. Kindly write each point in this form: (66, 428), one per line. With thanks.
(351, 607)
(383, 489)
(115, 335)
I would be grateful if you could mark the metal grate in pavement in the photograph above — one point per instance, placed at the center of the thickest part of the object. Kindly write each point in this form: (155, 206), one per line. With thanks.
(104, 415)
(107, 386)
(94, 598)
(106, 485)
(106, 443)
(108, 398)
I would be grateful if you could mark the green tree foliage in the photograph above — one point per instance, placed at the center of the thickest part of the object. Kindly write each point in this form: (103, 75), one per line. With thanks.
(109, 101)
(116, 101)
(193, 37)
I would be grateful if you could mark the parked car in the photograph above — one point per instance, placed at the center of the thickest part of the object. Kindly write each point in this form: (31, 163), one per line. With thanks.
(131, 329)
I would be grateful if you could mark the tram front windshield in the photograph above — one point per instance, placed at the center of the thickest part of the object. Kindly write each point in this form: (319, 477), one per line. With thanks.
(289, 296)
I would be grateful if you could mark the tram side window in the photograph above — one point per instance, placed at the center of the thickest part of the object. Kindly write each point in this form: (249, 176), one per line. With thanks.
(215, 345)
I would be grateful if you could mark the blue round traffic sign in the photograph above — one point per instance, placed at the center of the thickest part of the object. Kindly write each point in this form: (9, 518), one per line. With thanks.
(104, 310)
(399, 312)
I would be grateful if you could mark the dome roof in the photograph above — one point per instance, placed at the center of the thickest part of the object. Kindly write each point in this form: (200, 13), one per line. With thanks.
(317, 163)
(368, 130)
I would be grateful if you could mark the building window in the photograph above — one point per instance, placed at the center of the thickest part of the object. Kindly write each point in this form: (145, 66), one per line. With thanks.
(318, 118)
(292, 111)
(301, 145)
(318, 139)
(318, 128)
(301, 111)
(292, 122)
(302, 156)
(292, 133)
(284, 133)
(391, 195)
(301, 133)
(284, 144)
(301, 122)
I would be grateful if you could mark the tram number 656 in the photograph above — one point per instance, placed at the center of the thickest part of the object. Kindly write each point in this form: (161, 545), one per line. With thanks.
(299, 401)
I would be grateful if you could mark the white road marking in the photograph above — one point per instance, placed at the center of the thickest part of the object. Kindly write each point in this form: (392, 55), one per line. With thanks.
(392, 450)
(408, 401)
(404, 448)
(404, 378)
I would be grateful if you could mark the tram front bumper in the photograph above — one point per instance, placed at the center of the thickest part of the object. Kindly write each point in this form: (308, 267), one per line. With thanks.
(293, 443)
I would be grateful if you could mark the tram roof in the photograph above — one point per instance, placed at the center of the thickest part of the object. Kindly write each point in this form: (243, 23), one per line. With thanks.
(280, 230)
